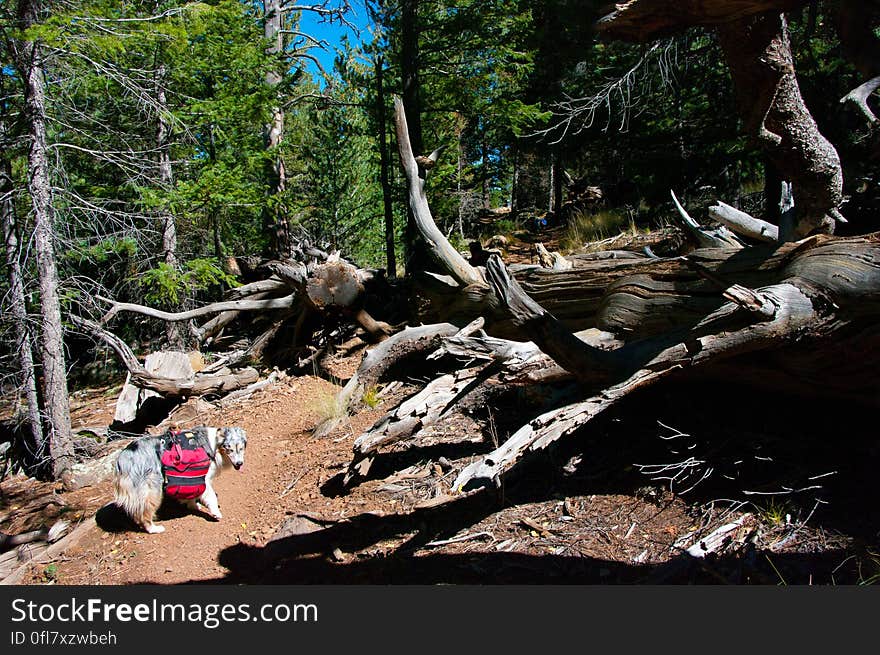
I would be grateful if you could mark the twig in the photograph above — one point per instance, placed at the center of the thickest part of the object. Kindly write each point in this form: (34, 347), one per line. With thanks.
(455, 540)
(292, 484)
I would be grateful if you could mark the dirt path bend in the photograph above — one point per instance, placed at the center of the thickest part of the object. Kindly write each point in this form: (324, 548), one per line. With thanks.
(254, 500)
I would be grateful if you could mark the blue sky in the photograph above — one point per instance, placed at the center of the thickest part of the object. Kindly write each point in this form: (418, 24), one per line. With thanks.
(334, 32)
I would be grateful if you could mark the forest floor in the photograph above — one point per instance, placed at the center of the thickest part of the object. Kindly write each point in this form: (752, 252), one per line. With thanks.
(595, 518)
(788, 487)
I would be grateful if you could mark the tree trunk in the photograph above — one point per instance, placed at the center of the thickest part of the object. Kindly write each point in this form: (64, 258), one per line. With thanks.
(18, 306)
(57, 403)
(758, 53)
(514, 185)
(173, 332)
(390, 255)
(416, 256)
(484, 171)
(275, 217)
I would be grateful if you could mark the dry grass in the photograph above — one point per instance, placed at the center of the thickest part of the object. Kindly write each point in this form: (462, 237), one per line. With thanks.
(585, 227)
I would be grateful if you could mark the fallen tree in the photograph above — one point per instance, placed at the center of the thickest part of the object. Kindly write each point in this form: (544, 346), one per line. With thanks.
(294, 299)
(778, 315)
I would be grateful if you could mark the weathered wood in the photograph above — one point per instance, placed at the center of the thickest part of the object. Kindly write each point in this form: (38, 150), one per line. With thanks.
(719, 238)
(376, 330)
(438, 246)
(742, 223)
(285, 302)
(645, 20)
(199, 385)
(53, 551)
(795, 311)
(9, 541)
(334, 285)
(549, 333)
(859, 97)
(172, 365)
(632, 298)
(504, 363)
(414, 414)
(552, 260)
(258, 290)
(379, 359)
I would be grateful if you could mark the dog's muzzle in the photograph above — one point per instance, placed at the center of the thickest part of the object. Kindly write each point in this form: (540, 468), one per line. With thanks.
(238, 465)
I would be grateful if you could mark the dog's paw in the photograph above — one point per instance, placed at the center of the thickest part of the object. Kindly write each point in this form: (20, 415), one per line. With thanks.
(152, 528)
(215, 515)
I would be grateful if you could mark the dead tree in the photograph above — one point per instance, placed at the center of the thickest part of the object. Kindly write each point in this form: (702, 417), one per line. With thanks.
(28, 56)
(296, 294)
(754, 38)
(779, 315)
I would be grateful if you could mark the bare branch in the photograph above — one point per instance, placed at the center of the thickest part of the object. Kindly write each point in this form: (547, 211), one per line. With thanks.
(438, 245)
(230, 305)
(575, 114)
(859, 97)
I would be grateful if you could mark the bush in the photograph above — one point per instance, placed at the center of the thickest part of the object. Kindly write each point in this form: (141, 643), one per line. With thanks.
(166, 284)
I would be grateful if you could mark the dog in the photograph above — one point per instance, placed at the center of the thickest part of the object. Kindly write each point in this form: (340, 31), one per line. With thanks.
(140, 482)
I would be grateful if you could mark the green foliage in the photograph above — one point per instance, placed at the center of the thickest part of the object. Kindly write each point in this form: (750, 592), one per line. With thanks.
(167, 285)
(775, 512)
(50, 572)
(507, 226)
(103, 252)
(371, 397)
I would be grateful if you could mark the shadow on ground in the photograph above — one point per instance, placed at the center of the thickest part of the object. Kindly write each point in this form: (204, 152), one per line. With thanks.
(817, 468)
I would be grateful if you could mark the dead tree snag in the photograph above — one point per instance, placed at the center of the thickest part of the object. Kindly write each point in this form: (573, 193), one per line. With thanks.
(758, 52)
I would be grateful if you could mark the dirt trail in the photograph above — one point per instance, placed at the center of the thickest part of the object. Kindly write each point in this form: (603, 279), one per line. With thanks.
(598, 523)
(254, 500)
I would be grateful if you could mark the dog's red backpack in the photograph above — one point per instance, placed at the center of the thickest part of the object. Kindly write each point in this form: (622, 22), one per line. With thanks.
(185, 463)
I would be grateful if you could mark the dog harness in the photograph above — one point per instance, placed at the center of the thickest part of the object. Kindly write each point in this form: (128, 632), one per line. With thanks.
(186, 459)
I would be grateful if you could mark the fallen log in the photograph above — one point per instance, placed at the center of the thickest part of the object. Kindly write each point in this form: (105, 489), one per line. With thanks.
(377, 361)
(783, 315)
(743, 224)
(199, 385)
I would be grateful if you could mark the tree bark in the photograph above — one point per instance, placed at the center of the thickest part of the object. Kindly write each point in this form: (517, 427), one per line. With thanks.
(645, 20)
(758, 52)
(18, 305)
(57, 404)
(173, 331)
(275, 217)
(390, 255)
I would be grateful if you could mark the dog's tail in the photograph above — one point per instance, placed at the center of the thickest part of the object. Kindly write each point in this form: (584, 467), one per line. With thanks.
(138, 483)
